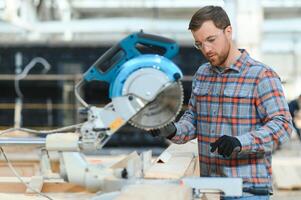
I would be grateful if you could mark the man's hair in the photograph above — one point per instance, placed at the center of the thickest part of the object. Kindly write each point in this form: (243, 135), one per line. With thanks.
(209, 13)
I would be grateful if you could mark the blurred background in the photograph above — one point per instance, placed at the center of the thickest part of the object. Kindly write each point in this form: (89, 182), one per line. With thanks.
(46, 45)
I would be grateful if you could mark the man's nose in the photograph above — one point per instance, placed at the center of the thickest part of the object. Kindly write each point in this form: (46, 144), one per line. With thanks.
(206, 48)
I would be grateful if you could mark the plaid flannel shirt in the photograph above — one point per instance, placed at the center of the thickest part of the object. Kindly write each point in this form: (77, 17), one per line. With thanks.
(246, 101)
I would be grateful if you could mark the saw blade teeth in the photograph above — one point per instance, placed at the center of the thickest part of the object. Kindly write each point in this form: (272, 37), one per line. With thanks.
(180, 96)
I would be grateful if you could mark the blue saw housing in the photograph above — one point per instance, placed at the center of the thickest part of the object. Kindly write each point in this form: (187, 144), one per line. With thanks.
(116, 64)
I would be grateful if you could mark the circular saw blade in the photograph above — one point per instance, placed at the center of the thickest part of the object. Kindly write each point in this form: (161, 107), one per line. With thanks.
(162, 110)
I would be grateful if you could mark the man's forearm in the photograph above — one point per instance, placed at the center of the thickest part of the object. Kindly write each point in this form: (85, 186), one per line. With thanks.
(268, 137)
(185, 131)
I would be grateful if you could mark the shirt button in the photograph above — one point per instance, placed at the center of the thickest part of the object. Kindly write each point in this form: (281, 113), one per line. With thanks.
(212, 131)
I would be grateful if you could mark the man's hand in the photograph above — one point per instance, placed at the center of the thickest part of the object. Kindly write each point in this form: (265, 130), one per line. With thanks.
(167, 131)
(225, 145)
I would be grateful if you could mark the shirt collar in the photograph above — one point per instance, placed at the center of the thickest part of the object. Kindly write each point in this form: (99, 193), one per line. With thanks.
(241, 60)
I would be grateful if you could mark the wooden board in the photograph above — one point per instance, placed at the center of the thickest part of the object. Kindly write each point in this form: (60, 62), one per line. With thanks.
(194, 168)
(56, 196)
(175, 162)
(35, 184)
(175, 168)
(13, 185)
(25, 168)
(123, 162)
(287, 172)
(190, 147)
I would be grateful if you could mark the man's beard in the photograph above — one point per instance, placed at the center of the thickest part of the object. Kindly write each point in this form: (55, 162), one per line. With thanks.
(220, 59)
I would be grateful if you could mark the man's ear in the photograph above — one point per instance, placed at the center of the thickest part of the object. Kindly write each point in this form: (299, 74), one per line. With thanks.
(228, 32)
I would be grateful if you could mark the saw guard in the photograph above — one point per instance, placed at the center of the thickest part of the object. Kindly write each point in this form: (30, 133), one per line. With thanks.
(157, 62)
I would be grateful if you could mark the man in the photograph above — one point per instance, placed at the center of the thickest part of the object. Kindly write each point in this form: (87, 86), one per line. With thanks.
(294, 107)
(237, 109)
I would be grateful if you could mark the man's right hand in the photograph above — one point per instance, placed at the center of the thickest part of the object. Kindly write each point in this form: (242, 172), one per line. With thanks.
(167, 131)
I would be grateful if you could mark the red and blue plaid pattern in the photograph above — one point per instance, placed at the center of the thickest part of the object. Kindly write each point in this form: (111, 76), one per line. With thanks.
(245, 100)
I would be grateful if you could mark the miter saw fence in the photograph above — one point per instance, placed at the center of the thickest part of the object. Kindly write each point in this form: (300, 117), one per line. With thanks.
(145, 86)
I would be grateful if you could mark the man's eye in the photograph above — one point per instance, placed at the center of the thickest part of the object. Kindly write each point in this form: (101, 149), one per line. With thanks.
(211, 40)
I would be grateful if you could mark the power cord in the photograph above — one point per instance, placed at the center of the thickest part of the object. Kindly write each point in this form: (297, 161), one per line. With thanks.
(11, 167)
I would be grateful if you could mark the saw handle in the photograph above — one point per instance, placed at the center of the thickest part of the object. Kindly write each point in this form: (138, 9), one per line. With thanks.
(154, 41)
(109, 58)
(123, 51)
(108, 65)
(157, 38)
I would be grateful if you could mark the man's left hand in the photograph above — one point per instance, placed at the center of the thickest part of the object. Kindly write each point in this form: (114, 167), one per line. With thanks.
(167, 131)
(225, 145)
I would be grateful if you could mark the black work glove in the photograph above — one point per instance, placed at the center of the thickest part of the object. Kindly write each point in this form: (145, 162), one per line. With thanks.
(167, 131)
(225, 145)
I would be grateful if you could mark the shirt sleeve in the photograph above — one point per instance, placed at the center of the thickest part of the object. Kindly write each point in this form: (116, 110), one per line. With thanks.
(186, 125)
(273, 111)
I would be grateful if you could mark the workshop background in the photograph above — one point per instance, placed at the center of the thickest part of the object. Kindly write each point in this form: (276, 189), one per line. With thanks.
(58, 40)
(47, 45)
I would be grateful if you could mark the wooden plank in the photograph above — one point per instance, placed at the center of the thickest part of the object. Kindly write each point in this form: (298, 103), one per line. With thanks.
(210, 195)
(164, 157)
(162, 192)
(175, 168)
(23, 168)
(175, 162)
(13, 185)
(190, 147)
(197, 167)
(286, 172)
(56, 196)
(192, 168)
(286, 177)
(123, 163)
(36, 183)
(20, 197)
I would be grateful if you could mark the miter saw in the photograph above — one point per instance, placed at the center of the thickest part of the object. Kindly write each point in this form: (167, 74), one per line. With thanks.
(145, 90)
